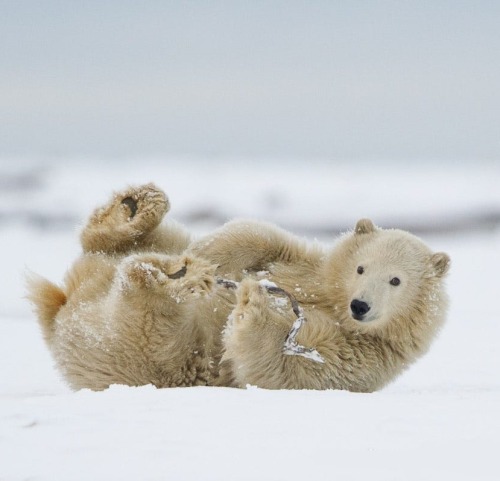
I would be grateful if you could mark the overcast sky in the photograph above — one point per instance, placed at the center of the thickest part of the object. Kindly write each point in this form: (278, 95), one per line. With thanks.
(335, 79)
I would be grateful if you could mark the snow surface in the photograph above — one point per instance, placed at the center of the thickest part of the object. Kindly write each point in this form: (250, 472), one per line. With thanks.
(440, 420)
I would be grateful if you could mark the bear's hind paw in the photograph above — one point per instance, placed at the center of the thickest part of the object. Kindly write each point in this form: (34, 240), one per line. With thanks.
(180, 277)
(125, 219)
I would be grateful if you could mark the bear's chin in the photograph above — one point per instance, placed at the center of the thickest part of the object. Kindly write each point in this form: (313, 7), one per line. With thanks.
(366, 324)
(364, 319)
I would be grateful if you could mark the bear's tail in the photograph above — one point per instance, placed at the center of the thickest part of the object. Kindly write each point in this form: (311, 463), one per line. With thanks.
(47, 299)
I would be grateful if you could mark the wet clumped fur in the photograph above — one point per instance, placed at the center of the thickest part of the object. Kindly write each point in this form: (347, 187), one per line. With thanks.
(143, 305)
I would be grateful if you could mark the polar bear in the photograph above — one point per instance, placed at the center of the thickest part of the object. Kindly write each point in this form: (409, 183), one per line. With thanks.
(143, 305)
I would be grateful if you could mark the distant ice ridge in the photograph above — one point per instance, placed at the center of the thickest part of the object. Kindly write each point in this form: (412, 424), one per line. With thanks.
(316, 199)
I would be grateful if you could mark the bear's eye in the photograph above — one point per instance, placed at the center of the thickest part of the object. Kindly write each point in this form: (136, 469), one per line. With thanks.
(361, 269)
(395, 281)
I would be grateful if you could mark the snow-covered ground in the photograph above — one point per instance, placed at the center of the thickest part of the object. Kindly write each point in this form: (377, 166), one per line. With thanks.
(440, 420)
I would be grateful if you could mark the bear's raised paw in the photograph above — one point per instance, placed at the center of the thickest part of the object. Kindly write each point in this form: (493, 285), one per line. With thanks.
(125, 219)
(180, 277)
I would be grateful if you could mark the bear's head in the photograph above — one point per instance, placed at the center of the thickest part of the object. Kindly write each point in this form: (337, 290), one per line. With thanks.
(388, 283)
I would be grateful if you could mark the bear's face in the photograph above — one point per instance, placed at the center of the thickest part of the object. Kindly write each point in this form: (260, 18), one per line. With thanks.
(384, 278)
(387, 281)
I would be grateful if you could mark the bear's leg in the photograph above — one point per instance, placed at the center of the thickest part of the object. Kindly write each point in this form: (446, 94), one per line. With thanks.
(156, 304)
(130, 222)
(244, 245)
(254, 342)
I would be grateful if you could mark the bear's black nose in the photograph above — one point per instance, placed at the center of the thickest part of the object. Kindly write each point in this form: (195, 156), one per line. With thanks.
(359, 309)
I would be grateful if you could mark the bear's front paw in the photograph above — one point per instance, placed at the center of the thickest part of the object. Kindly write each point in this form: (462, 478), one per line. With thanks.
(250, 292)
(180, 276)
(251, 301)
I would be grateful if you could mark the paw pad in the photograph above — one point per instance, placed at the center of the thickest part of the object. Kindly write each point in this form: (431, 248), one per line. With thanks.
(131, 204)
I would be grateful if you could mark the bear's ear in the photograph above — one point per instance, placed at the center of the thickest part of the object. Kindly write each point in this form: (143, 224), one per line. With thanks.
(440, 263)
(364, 226)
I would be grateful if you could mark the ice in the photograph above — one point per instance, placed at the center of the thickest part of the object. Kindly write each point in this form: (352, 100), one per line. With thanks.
(292, 348)
(267, 283)
(439, 420)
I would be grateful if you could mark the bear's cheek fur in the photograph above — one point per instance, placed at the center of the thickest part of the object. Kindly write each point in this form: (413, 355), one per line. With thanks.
(385, 300)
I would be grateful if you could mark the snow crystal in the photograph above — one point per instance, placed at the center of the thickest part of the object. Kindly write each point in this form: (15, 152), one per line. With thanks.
(292, 348)
(280, 301)
(228, 328)
(267, 283)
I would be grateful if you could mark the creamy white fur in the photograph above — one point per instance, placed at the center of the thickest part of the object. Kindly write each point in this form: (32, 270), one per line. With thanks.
(125, 315)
